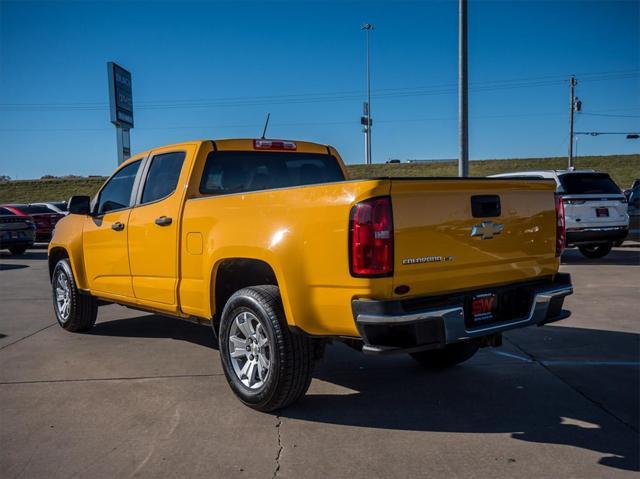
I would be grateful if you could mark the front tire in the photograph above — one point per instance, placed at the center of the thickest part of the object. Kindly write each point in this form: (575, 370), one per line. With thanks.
(75, 312)
(267, 366)
(17, 250)
(595, 251)
(449, 356)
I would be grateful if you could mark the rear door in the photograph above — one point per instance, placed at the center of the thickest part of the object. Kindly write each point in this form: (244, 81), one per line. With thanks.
(154, 226)
(452, 235)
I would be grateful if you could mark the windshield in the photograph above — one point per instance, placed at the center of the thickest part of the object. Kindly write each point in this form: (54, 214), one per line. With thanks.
(588, 184)
(240, 171)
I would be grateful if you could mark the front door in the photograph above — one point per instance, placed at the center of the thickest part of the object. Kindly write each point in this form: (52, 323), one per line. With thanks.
(154, 225)
(106, 256)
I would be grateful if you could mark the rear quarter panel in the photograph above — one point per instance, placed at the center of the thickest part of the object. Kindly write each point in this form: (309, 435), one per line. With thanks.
(302, 233)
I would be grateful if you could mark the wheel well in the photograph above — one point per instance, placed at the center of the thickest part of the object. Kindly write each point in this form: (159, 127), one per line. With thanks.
(235, 274)
(55, 255)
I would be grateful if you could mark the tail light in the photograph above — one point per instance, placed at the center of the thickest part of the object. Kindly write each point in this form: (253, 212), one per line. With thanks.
(561, 230)
(371, 238)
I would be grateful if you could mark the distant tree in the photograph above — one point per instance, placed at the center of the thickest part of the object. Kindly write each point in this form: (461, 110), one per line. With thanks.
(48, 177)
(4, 178)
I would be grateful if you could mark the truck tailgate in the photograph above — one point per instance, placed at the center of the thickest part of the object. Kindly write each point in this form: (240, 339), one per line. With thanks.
(442, 245)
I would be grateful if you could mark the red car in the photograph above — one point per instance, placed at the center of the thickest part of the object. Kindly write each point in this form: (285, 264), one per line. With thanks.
(44, 218)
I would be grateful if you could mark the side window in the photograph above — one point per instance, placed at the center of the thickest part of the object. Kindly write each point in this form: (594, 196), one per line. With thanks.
(162, 178)
(116, 194)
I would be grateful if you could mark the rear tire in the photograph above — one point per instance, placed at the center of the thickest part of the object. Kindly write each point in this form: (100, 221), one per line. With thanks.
(253, 320)
(447, 357)
(75, 312)
(17, 250)
(594, 251)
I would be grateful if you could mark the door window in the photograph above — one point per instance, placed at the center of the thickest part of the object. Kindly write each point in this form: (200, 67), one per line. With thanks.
(163, 176)
(116, 194)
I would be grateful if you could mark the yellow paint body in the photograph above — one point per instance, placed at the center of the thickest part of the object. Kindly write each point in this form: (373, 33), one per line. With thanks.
(302, 233)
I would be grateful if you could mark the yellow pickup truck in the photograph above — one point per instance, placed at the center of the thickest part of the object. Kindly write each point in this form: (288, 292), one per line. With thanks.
(272, 244)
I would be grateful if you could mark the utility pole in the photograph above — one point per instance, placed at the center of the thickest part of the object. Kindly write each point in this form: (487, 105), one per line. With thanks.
(572, 108)
(463, 91)
(366, 119)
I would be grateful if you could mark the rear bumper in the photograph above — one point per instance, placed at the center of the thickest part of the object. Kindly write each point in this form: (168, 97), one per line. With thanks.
(25, 238)
(596, 235)
(387, 327)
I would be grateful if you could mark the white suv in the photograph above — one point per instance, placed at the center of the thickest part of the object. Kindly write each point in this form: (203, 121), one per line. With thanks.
(595, 208)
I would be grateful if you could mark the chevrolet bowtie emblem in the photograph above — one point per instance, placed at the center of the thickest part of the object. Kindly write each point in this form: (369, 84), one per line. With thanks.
(486, 230)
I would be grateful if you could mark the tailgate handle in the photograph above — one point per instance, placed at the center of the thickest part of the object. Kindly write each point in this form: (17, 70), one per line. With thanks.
(485, 206)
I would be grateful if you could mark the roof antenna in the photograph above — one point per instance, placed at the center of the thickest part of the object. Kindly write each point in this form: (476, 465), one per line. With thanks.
(266, 124)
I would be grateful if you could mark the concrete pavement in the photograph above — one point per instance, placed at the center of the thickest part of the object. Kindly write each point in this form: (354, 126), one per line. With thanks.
(145, 396)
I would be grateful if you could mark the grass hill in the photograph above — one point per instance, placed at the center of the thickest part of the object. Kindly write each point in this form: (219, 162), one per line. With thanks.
(622, 168)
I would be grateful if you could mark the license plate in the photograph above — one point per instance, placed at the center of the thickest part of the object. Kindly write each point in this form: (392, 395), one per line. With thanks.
(483, 307)
(602, 212)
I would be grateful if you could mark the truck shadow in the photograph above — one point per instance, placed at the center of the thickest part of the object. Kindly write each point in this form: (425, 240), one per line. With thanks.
(538, 401)
(491, 394)
(617, 257)
(155, 326)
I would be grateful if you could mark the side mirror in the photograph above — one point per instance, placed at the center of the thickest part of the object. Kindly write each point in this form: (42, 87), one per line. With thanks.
(79, 205)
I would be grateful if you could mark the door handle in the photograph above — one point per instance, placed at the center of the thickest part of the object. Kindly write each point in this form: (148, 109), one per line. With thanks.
(117, 226)
(163, 221)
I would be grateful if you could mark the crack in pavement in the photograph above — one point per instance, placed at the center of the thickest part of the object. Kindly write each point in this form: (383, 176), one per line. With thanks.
(131, 378)
(280, 448)
(544, 365)
(27, 336)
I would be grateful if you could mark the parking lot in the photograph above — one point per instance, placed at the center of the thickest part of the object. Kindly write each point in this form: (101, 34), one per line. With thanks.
(145, 396)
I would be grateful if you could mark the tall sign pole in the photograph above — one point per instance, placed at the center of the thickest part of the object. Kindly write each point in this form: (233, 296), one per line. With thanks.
(121, 106)
(572, 108)
(463, 88)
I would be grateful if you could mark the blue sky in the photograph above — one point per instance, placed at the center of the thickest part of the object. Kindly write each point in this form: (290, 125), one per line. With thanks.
(213, 70)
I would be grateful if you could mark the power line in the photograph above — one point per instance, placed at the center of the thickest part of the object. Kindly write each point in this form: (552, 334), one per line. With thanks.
(611, 116)
(444, 89)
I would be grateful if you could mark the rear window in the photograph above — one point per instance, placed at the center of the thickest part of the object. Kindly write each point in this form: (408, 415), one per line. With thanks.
(228, 172)
(34, 209)
(4, 211)
(588, 184)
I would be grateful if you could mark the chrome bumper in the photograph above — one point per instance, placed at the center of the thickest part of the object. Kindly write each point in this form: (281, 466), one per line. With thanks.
(437, 327)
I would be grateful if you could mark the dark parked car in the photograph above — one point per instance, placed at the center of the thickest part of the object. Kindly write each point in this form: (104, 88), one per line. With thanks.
(44, 218)
(633, 197)
(17, 233)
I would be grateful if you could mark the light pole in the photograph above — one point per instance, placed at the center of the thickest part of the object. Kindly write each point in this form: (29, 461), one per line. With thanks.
(366, 119)
(463, 88)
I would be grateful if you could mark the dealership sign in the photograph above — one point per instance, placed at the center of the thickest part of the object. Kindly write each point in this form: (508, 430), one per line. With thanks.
(120, 96)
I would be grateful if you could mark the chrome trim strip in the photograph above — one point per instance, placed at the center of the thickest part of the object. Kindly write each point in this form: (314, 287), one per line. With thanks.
(587, 229)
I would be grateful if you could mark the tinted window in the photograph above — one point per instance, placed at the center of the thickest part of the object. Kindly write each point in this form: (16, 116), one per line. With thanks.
(588, 184)
(35, 209)
(4, 211)
(116, 194)
(163, 176)
(238, 171)
(61, 205)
